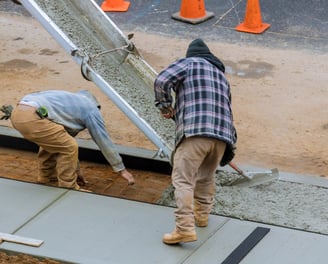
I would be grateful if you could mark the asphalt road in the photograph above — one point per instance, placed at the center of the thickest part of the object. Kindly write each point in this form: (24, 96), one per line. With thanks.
(294, 23)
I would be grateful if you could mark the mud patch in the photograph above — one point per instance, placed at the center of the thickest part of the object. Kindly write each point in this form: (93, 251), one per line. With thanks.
(249, 69)
(18, 38)
(48, 52)
(17, 64)
(15, 67)
(25, 51)
(54, 72)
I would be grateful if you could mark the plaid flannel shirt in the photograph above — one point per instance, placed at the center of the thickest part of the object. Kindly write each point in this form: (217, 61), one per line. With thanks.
(202, 99)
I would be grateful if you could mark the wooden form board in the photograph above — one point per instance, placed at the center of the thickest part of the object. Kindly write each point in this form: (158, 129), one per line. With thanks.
(20, 240)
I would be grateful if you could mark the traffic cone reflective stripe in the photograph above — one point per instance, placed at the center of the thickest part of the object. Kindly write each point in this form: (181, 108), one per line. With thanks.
(115, 5)
(253, 19)
(192, 11)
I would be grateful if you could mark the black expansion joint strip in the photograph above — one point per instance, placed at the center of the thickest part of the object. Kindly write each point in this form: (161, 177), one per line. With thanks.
(246, 246)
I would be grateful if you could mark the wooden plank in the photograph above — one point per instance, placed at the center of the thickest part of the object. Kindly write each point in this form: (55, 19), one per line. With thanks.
(20, 240)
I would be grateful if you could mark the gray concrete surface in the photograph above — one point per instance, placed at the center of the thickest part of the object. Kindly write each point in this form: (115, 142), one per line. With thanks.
(79, 227)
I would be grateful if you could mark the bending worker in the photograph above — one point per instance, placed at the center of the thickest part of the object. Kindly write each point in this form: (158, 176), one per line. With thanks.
(205, 134)
(51, 119)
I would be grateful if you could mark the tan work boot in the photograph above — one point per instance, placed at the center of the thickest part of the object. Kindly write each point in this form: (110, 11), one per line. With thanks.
(201, 221)
(176, 237)
(44, 180)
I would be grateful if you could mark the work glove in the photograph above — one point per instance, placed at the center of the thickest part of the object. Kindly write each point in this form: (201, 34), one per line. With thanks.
(6, 109)
(167, 112)
(166, 109)
(228, 155)
(230, 150)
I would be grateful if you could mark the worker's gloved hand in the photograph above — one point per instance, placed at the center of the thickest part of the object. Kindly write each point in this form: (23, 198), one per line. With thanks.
(167, 112)
(6, 109)
(166, 109)
(228, 155)
(230, 150)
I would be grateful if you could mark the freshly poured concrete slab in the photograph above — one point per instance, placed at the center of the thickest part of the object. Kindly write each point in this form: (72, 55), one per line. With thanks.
(222, 243)
(280, 245)
(289, 246)
(20, 202)
(87, 228)
(83, 227)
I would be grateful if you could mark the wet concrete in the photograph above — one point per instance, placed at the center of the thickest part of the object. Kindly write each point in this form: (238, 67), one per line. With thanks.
(295, 205)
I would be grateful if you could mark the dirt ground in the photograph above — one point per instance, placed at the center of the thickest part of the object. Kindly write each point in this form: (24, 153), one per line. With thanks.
(279, 104)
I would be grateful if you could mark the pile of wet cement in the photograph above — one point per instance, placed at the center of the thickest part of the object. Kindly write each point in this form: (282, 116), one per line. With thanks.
(288, 204)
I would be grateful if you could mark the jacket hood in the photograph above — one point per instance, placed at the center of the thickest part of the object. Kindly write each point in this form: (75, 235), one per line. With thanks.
(198, 48)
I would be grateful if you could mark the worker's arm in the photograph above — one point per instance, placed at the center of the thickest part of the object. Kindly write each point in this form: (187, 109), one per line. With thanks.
(96, 127)
(167, 81)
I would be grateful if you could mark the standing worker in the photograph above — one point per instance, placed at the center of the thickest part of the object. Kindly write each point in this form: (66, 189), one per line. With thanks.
(205, 134)
(51, 119)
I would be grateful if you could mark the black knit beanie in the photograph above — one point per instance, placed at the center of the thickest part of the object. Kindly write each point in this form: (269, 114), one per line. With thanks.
(198, 48)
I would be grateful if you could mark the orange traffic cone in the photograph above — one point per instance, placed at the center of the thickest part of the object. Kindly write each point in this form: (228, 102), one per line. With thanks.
(253, 20)
(115, 5)
(192, 11)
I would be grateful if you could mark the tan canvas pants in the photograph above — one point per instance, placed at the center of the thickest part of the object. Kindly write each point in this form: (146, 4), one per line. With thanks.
(58, 152)
(195, 162)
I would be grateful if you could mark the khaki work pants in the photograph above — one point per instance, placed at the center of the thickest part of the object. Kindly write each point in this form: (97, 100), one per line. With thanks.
(195, 162)
(58, 152)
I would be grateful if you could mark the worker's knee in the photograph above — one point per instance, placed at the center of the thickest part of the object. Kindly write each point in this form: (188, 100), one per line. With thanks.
(72, 146)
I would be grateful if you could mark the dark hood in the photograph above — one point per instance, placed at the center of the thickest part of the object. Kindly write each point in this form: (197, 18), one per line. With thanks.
(198, 48)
